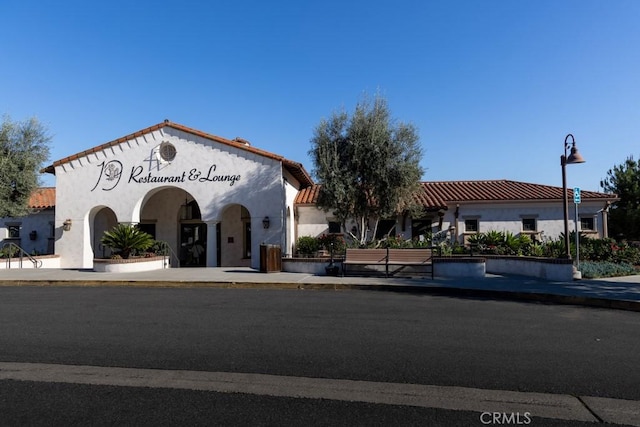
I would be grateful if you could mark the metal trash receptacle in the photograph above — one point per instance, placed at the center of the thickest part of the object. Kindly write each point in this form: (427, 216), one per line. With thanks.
(270, 259)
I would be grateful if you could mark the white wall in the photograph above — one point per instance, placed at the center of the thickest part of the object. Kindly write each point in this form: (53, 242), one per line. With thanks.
(85, 183)
(312, 221)
(498, 217)
(508, 217)
(289, 237)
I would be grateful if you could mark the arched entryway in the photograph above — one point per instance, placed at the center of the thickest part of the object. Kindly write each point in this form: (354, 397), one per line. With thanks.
(234, 237)
(104, 219)
(172, 215)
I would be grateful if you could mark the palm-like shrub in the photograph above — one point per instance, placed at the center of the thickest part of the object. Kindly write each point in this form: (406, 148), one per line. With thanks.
(126, 238)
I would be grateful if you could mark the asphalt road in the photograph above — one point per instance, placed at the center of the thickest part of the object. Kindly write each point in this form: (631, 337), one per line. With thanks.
(366, 336)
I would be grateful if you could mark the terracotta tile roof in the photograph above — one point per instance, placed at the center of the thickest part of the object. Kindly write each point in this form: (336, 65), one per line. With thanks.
(308, 196)
(43, 198)
(296, 169)
(439, 194)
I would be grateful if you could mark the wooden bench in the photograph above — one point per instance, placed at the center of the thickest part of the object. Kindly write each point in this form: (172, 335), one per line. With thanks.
(410, 257)
(364, 257)
(389, 257)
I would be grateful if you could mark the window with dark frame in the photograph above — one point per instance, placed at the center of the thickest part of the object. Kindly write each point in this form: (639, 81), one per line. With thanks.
(529, 224)
(14, 231)
(386, 226)
(587, 223)
(471, 225)
(149, 228)
(334, 227)
(420, 227)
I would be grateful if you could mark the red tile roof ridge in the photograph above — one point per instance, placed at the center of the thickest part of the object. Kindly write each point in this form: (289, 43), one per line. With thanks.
(436, 194)
(297, 169)
(42, 198)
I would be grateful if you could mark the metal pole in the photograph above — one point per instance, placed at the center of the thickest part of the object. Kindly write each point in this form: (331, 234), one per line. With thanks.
(565, 204)
(577, 241)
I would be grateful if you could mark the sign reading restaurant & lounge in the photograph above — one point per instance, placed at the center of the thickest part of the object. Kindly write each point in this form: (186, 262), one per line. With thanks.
(111, 172)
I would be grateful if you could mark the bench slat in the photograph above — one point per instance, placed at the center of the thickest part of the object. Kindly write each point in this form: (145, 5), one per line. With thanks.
(387, 257)
(410, 256)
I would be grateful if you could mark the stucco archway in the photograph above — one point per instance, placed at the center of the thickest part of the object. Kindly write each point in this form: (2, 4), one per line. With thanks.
(234, 237)
(104, 219)
(172, 215)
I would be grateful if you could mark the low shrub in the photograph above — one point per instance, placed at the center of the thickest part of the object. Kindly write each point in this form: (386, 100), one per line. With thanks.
(307, 245)
(332, 242)
(595, 269)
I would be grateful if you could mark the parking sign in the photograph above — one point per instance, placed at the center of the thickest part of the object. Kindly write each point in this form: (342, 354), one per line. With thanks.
(576, 195)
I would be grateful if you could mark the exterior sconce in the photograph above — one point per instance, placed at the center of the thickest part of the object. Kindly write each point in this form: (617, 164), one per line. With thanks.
(66, 225)
(33, 235)
(266, 222)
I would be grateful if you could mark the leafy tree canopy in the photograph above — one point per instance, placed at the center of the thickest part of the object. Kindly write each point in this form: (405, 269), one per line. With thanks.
(624, 180)
(24, 147)
(368, 165)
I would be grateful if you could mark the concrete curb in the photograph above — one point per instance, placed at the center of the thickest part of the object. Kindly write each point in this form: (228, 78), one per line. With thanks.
(545, 298)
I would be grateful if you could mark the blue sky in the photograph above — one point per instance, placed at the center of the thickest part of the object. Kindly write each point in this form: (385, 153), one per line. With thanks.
(492, 86)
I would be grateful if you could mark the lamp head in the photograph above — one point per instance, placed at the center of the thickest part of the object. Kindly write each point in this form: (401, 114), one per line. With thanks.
(575, 156)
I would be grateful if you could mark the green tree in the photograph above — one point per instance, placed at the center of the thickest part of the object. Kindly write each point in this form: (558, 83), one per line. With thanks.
(368, 165)
(24, 146)
(126, 238)
(624, 217)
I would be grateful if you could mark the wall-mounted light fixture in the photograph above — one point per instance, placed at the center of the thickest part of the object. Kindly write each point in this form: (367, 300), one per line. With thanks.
(33, 235)
(186, 210)
(66, 225)
(266, 222)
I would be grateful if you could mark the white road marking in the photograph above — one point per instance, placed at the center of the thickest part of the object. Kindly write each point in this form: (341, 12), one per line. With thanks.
(546, 405)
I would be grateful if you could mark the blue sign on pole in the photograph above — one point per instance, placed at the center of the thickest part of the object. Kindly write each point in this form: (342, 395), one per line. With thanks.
(576, 195)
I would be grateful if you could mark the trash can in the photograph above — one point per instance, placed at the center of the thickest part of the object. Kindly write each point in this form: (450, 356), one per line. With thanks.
(270, 258)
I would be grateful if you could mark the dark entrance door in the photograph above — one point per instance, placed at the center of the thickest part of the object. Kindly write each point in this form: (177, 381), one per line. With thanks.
(218, 245)
(193, 245)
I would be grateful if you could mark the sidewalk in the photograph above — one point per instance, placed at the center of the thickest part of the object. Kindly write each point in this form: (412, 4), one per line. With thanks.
(619, 292)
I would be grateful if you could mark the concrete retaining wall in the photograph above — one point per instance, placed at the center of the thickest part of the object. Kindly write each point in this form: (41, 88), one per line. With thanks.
(314, 266)
(542, 268)
(130, 265)
(552, 269)
(45, 261)
(459, 267)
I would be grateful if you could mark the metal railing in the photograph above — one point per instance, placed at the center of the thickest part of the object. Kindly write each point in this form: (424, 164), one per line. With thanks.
(168, 251)
(12, 249)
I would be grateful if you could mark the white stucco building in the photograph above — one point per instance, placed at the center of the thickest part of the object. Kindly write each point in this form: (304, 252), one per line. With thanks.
(184, 187)
(193, 189)
(462, 208)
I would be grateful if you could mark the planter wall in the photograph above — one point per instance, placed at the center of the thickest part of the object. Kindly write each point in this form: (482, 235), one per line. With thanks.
(130, 265)
(472, 267)
(44, 261)
(554, 269)
(314, 266)
(551, 269)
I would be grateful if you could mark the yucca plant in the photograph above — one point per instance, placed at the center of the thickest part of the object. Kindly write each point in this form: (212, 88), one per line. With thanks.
(126, 238)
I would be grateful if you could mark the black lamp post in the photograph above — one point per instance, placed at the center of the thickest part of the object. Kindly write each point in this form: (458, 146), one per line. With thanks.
(574, 157)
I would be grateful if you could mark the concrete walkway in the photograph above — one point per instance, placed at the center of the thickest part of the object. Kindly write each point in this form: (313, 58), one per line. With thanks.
(619, 293)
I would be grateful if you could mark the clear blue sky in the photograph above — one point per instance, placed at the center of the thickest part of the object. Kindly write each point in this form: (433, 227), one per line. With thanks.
(493, 86)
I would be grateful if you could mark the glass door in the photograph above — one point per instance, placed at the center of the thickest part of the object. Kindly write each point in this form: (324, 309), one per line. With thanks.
(193, 245)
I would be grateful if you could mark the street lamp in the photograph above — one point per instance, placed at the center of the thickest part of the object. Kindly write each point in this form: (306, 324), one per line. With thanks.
(574, 157)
